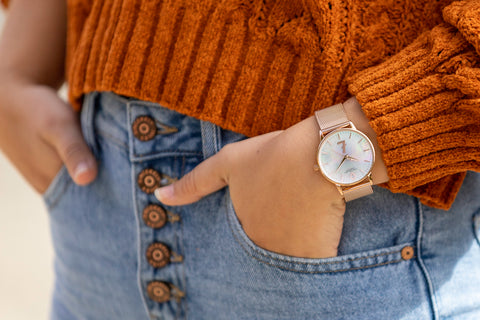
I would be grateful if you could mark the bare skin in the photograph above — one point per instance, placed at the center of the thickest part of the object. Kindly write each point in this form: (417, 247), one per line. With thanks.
(38, 131)
(282, 203)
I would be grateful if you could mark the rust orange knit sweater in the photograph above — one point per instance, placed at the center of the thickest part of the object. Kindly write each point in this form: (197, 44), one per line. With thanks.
(254, 66)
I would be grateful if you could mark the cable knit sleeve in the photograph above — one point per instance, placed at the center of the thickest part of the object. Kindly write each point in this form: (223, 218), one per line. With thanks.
(424, 105)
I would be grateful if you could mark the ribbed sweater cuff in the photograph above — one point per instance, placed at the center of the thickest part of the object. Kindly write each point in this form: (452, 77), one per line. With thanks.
(423, 103)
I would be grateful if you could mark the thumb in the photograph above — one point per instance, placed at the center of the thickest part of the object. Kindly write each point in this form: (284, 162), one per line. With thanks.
(207, 177)
(75, 154)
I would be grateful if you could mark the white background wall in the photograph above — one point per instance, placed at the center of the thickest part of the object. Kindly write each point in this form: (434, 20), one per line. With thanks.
(26, 256)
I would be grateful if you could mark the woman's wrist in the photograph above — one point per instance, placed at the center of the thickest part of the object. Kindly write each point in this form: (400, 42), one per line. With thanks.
(305, 135)
(354, 112)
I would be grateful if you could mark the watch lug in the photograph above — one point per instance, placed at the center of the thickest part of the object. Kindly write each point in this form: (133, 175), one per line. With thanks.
(340, 189)
(320, 133)
(369, 177)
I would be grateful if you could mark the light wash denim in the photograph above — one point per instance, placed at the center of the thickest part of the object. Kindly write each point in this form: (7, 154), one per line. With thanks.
(100, 241)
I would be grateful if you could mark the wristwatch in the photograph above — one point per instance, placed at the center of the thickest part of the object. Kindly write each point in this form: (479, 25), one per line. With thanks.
(345, 155)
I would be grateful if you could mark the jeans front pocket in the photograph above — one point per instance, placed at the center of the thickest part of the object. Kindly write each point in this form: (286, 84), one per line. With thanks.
(344, 262)
(370, 279)
(57, 187)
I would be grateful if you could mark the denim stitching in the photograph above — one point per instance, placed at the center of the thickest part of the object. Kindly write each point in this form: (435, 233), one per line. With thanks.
(423, 267)
(179, 232)
(141, 287)
(87, 119)
(241, 243)
(114, 140)
(128, 110)
(310, 272)
(53, 198)
(173, 151)
(330, 271)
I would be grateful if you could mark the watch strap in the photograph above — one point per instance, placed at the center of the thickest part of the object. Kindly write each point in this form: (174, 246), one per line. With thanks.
(357, 191)
(331, 118)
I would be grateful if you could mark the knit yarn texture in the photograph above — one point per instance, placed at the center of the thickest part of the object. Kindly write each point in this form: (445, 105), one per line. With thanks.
(255, 66)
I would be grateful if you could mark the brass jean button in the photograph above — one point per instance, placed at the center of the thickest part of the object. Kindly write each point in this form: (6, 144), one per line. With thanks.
(144, 128)
(154, 216)
(158, 255)
(407, 253)
(149, 180)
(158, 291)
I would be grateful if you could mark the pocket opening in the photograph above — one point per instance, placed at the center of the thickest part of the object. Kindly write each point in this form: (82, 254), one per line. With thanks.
(343, 263)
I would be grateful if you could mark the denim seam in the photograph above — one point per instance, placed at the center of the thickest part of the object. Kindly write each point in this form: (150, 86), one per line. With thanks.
(314, 272)
(423, 267)
(217, 139)
(173, 151)
(87, 120)
(52, 197)
(309, 263)
(476, 226)
(184, 301)
(164, 154)
(107, 136)
(241, 243)
(179, 239)
(329, 271)
(137, 221)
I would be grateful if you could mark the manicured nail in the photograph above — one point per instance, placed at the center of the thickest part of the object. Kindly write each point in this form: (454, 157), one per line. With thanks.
(80, 169)
(164, 193)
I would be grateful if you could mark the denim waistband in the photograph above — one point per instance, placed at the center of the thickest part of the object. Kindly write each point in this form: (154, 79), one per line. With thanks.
(112, 122)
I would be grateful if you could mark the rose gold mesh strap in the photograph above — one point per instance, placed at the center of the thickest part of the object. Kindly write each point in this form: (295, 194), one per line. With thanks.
(357, 191)
(331, 118)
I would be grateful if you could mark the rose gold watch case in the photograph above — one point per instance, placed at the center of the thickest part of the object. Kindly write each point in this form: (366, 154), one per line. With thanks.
(323, 138)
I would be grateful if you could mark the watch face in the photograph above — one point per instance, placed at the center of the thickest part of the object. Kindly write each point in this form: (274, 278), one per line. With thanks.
(345, 156)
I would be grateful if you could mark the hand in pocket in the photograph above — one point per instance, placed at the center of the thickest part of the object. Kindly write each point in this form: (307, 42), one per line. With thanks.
(39, 132)
(282, 203)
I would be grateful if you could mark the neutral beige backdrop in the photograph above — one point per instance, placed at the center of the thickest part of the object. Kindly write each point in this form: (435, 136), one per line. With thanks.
(26, 256)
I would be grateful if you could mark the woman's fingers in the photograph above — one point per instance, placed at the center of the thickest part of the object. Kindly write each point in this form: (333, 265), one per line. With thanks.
(63, 132)
(207, 177)
(76, 155)
(210, 175)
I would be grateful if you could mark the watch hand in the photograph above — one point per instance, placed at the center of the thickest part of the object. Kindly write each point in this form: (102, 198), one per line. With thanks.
(344, 158)
(351, 158)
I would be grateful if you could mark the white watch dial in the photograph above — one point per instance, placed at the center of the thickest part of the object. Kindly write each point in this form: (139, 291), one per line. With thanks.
(345, 156)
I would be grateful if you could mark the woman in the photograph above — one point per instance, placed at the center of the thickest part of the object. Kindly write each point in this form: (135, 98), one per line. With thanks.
(163, 86)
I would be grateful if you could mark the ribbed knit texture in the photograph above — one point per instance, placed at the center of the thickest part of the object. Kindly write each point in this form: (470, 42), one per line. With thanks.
(257, 66)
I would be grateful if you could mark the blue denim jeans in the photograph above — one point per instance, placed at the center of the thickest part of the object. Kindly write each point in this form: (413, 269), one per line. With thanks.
(398, 259)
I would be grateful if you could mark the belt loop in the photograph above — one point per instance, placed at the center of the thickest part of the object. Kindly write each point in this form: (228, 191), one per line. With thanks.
(211, 138)
(86, 120)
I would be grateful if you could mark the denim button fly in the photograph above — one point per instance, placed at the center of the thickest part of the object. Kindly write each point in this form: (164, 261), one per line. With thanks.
(144, 128)
(154, 216)
(149, 180)
(158, 291)
(158, 255)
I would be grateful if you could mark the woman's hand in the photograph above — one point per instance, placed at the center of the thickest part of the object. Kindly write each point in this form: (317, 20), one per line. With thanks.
(39, 132)
(282, 203)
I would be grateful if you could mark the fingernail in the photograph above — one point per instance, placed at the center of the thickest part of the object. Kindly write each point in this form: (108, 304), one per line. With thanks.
(80, 169)
(164, 192)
